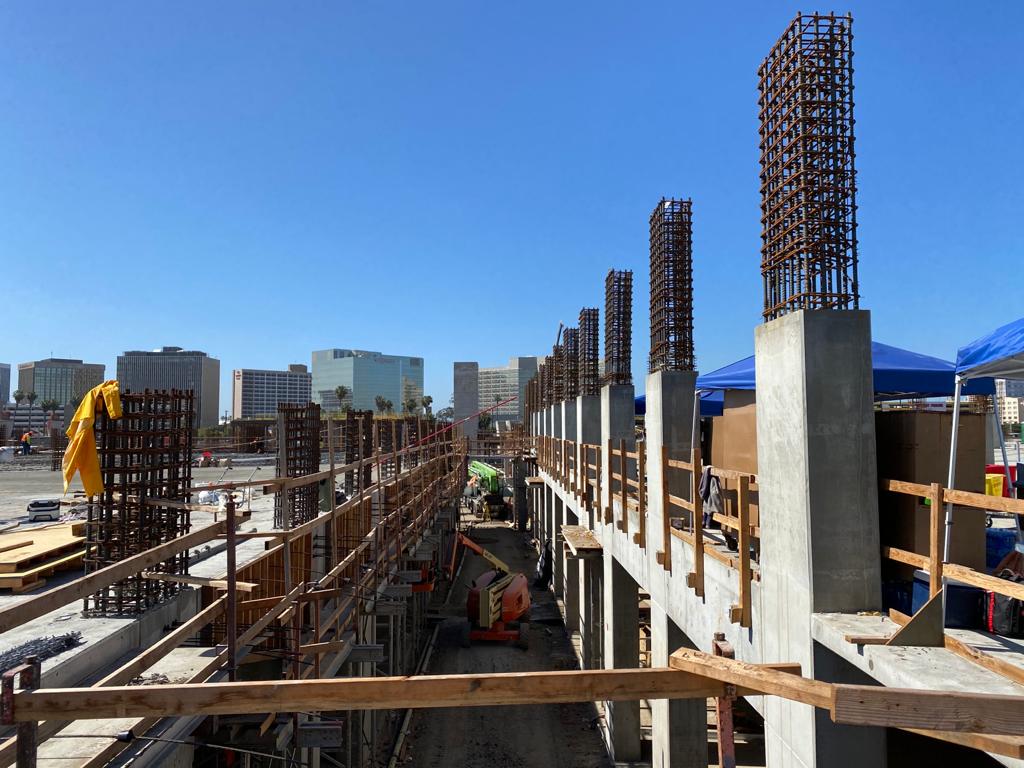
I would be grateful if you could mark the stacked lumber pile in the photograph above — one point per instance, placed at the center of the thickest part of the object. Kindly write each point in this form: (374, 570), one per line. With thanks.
(28, 556)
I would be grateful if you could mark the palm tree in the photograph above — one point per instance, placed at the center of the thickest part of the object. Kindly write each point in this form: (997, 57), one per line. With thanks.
(389, 406)
(342, 392)
(19, 395)
(411, 405)
(427, 401)
(31, 397)
(381, 403)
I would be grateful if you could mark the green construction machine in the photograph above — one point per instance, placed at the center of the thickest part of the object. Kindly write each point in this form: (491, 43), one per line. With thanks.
(489, 481)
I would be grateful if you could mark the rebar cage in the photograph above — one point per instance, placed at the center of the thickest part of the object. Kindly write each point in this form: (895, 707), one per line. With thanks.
(587, 369)
(671, 227)
(618, 327)
(808, 180)
(145, 457)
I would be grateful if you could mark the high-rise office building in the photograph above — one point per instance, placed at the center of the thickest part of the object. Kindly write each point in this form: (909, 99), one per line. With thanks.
(478, 388)
(59, 379)
(466, 397)
(499, 384)
(257, 392)
(5, 384)
(175, 368)
(367, 375)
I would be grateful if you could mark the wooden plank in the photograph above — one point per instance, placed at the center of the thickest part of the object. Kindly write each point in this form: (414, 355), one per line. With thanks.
(991, 583)
(695, 580)
(743, 505)
(775, 680)
(983, 501)
(17, 545)
(932, 710)
(935, 525)
(199, 581)
(678, 501)
(905, 557)
(1007, 746)
(664, 555)
(421, 691)
(910, 489)
(580, 540)
(33, 608)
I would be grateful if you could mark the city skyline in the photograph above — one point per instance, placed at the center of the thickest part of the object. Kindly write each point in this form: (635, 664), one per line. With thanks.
(196, 184)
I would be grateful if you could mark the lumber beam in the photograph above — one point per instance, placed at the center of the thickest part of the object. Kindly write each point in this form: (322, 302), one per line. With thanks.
(426, 691)
(38, 606)
(877, 705)
(199, 581)
(775, 680)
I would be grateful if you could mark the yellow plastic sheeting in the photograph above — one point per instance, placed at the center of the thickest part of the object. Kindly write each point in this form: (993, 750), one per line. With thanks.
(994, 485)
(81, 456)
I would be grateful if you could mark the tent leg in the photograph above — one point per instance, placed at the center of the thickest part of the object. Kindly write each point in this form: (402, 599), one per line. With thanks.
(951, 477)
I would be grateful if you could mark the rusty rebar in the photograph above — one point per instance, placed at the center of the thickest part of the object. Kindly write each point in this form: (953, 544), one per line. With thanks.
(808, 180)
(671, 229)
(618, 327)
(587, 368)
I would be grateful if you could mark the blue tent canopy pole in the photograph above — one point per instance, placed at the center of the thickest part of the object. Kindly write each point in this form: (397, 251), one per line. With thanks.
(998, 354)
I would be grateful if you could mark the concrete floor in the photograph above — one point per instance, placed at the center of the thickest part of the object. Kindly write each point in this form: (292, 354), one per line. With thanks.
(562, 736)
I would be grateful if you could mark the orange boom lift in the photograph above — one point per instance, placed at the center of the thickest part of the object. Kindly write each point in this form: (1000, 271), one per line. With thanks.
(496, 602)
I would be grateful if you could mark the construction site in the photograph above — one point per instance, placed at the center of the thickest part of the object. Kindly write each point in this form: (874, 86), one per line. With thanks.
(787, 562)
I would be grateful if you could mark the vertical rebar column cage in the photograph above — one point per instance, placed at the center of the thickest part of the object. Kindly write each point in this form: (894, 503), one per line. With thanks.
(587, 369)
(557, 375)
(618, 327)
(570, 363)
(145, 457)
(672, 286)
(548, 380)
(808, 180)
(298, 454)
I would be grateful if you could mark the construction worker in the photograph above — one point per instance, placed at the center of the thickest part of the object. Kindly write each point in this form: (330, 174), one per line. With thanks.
(26, 444)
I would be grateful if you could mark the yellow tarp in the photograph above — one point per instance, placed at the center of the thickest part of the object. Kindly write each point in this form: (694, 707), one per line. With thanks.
(994, 485)
(81, 456)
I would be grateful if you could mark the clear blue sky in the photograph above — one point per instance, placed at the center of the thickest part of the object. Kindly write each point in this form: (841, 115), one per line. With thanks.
(450, 180)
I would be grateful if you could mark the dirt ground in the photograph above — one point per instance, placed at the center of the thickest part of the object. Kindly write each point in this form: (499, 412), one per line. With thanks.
(540, 736)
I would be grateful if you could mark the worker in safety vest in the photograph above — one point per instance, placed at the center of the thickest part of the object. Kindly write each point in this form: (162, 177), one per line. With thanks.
(26, 444)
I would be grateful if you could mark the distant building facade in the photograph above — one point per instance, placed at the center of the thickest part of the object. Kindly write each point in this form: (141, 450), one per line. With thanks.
(366, 375)
(257, 392)
(175, 368)
(466, 397)
(5, 384)
(499, 384)
(59, 379)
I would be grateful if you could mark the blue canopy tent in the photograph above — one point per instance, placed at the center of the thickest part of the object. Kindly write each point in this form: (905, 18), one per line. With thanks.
(711, 403)
(897, 373)
(999, 354)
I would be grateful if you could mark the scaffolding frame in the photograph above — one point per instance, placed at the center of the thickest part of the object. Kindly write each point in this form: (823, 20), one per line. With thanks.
(808, 179)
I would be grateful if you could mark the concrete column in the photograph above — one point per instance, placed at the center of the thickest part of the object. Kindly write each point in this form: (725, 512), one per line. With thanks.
(669, 424)
(819, 512)
(557, 547)
(556, 420)
(590, 611)
(617, 423)
(679, 729)
(588, 431)
(572, 586)
(622, 651)
(568, 408)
